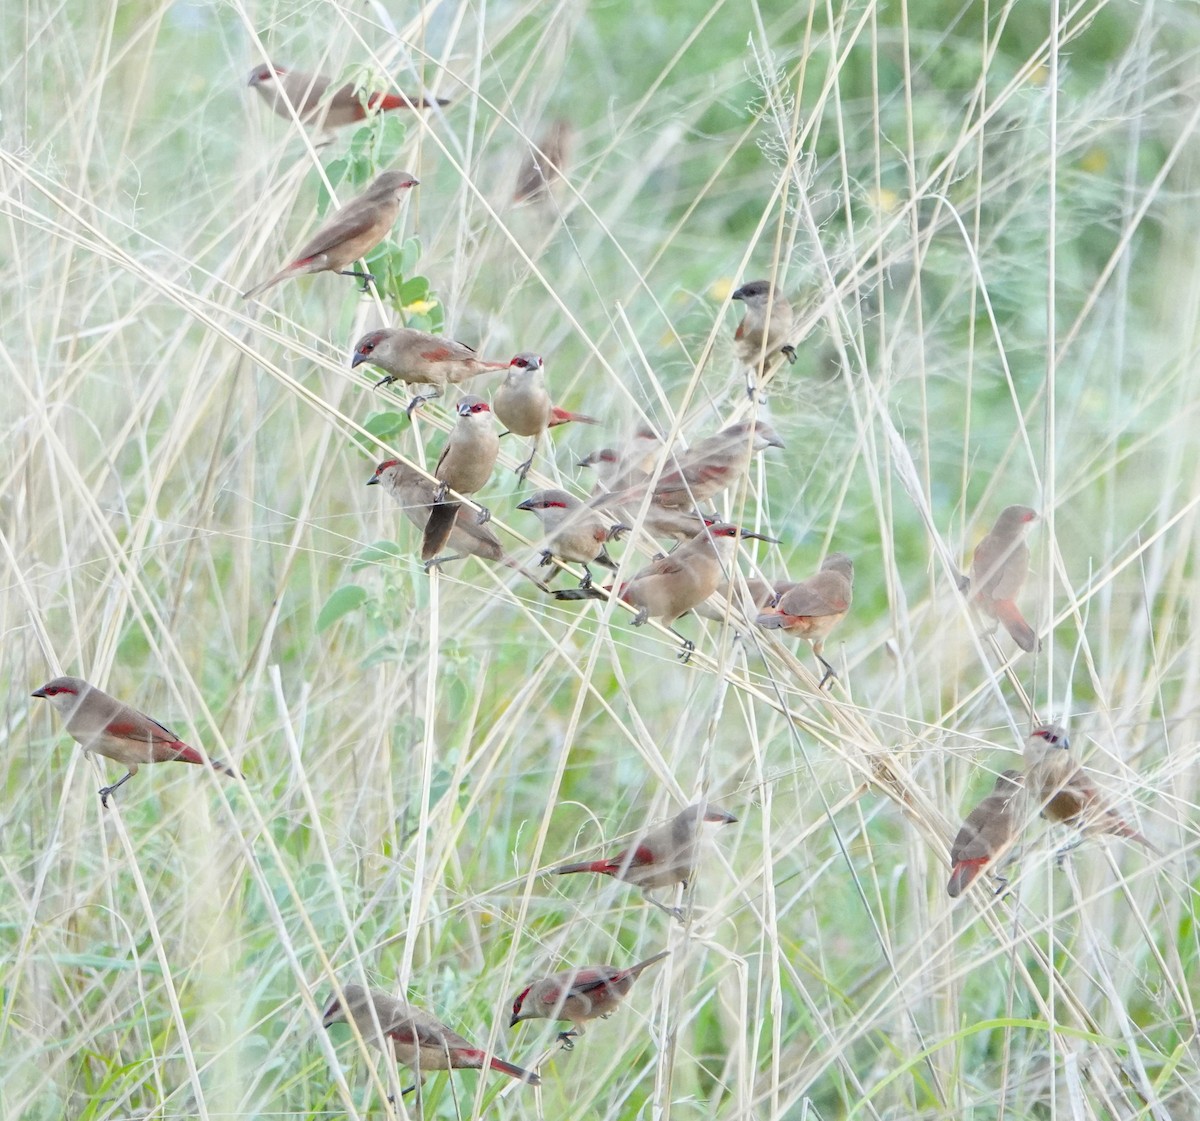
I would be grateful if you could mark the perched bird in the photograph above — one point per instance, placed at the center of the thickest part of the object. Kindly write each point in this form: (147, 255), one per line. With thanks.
(574, 531)
(413, 1037)
(766, 326)
(545, 163)
(522, 404)
(351, 232)
(987, 833)
(998, 571)
(464, 466)
(306, 93)
(100, 723)
(673, 585)
(663, 856)
(417, 496)
(578, 995)
(706, 469)
(416, 357)
(1065, 792)
(812, 608)
(760, 592)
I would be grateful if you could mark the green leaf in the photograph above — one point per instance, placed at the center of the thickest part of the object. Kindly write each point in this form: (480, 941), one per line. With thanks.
(383, 425)
(413, 289)
(410, 254)
(347, 598)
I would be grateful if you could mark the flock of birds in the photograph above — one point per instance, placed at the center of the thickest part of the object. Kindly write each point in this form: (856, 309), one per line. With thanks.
(644, 488)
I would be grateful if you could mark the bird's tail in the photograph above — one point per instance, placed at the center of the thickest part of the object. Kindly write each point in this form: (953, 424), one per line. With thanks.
(186, 754)
(963, 874)
(387, 101)
(772, 620)
(1013, 621)
(561, 416)
(438, 528)
(634, 970)
(515, 1071)
(604, 867)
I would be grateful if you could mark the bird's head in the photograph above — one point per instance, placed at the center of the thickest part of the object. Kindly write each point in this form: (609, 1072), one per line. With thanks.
(265, 74)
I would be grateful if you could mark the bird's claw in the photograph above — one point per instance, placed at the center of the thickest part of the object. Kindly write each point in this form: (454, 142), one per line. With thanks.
(566, 1038)
(685, 654)
(547, 558)
(789, 352)
(586, 582)
(640, 619)
(387, 379)
(104, 792)
(615, 531)
(439, 495)
(484, 515)
(523, 469)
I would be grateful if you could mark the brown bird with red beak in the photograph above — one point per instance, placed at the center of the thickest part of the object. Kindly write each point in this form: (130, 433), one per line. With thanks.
(709, 467)
(465, 465)
(100, 723)
(812, 608)
(413, 1037)
(417, 495)
(578, 995)
(1065, 792)
(350, 233)
(574, 531)
(998, 572)
(522, 404)
(306, 94)
(673, 585)
(766, 326)
(660, 857)
(416, 357)
(987, 835)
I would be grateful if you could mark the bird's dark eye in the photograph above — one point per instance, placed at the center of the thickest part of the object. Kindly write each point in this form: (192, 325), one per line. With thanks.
(366, 348)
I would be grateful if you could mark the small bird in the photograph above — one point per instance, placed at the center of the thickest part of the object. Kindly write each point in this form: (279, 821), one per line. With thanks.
(766, 326)
(416, 357)
(673, 585)
(998, 571)
(545, 163)
(417, 495)
(465, 465)
(351, 232)
(306, 93)
(578, 995)
(574, 531)
(522, 404)
(709, 467)
(100, 723)
(760, 592)
(812, 608)
(986, 834)
(663, 856)
(1065, 792)
(413, 1037)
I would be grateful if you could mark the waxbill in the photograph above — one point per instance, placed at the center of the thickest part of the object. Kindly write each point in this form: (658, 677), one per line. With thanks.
(998, 571)
(987, 834)
(766, 326)
(574, 531)
(416, 357)
(545, 163)
(673, 585)
(578, 995)
(812, 608)
(663, 856)
(468, 537)
(760, 595)
(306, 93)
(522, 404)
(100, 723)
(414, 1038)
(709, 467)
(464, 466)
(1063, 791)
(351, 232)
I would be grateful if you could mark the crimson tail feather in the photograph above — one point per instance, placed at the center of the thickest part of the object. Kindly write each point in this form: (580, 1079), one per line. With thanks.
(963, 876)
(516, 1071)
(603, 866)
(1014, 622)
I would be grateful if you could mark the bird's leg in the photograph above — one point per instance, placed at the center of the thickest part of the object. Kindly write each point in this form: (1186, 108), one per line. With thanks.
(688, 645)
(789, 352)
(523, 469)
(365, 277)
(547, 558)
(640, 618)
(567, 1039)
(829, 675)
(484, 515)
(419, 400)
(615, 531)
(674, 912)
(437, 562)
(586, 582)
(387, 379)
(1001, 885)
(439, 495)
(105, 791)
(1061, 855)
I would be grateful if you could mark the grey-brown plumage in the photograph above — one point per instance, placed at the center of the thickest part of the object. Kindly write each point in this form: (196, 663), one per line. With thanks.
(412, 1036)
(766, 327)
(574, 531)
(352, 232)
(465, 466)
(987, 833)
(309, 96)
(545, 164)
(998, 571)
(812, 608)
(578, 995)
